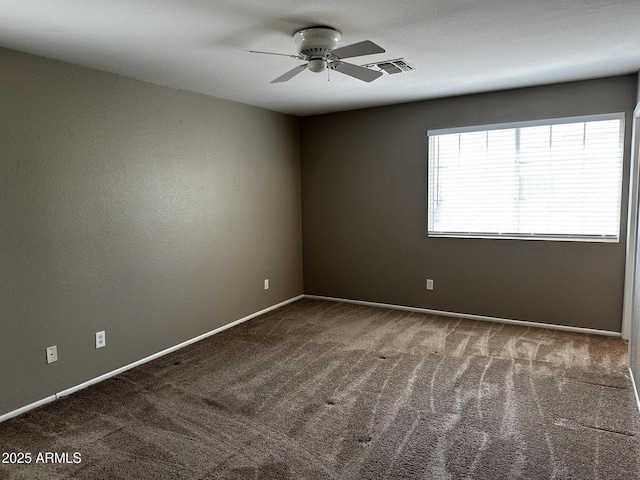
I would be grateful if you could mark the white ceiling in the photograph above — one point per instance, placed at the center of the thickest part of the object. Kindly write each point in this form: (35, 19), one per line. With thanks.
(458, 46)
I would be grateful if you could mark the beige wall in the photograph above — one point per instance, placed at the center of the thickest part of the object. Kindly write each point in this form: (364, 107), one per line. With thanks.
(151, 213)
(364, 210)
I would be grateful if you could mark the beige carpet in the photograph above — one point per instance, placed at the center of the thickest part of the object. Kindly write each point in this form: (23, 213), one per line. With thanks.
(323, 390)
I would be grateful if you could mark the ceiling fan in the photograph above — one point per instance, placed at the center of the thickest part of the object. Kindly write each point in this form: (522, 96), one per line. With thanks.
(318, 47)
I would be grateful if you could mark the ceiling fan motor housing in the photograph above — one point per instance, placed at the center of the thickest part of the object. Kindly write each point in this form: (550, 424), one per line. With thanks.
(316, 42)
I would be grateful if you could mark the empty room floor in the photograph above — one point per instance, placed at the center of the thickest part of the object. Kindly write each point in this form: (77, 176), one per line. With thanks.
(328, 390)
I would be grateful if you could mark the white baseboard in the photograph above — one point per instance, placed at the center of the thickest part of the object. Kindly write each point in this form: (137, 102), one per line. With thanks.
(470, 316)
(26, 408)
(117, 371)
(635, 388)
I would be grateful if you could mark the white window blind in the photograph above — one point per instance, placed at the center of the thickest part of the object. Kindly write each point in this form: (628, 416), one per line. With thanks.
(555, 179)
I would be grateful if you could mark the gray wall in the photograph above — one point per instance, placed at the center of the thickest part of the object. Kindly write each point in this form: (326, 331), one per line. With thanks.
(152, 213)
(364, 215)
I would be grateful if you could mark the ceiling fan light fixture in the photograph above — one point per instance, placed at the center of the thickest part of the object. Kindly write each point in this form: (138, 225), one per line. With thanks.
(317, 65)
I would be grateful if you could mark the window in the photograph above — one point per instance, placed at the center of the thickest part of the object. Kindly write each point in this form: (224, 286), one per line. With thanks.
(555, 179)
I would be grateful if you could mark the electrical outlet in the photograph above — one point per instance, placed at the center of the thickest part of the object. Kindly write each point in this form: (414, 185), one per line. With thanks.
(101, 339)
(52, 354)
(266, 284)
(429, 284)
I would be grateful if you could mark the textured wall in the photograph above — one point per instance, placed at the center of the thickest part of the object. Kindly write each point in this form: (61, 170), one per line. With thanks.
(364, 209)
(152, 213)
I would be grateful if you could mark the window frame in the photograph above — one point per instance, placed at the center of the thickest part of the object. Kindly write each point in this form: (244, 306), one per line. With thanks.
(604, 238)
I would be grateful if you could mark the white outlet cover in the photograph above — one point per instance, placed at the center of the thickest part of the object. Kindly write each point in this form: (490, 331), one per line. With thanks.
(101, 339)
(266, 284)
(429, 284)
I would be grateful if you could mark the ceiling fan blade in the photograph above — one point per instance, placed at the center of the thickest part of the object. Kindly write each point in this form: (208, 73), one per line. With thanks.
(357, 49)
(355, 71)
(279, 54)
(290, 74)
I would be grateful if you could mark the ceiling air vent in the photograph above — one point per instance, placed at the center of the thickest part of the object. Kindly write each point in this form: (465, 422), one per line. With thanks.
(389, 67)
